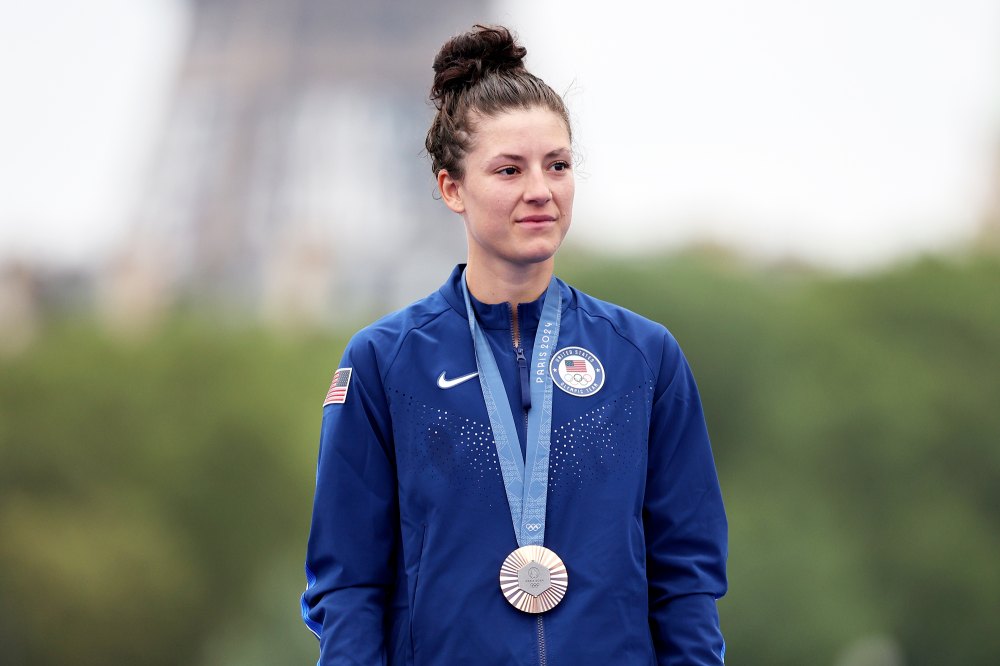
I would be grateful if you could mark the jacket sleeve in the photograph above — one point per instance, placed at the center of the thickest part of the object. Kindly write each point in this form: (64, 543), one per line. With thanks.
(349, 558)
(684, 522)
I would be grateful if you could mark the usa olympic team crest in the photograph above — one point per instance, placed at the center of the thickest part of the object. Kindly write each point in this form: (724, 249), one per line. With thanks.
(576, 371)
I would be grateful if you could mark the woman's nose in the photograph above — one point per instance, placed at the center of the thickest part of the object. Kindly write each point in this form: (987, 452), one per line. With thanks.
(536, 187)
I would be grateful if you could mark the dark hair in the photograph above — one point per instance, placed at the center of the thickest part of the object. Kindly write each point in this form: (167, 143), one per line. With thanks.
(480, 72)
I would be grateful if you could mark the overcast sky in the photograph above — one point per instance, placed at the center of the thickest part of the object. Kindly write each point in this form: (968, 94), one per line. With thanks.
(845, 132)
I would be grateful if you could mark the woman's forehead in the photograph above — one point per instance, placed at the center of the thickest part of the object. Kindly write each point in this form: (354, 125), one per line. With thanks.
(521, 131)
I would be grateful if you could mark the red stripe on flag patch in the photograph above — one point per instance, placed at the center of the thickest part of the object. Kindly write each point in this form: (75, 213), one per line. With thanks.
(338, 387)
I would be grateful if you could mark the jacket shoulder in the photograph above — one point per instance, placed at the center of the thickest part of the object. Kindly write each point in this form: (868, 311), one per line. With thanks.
(628, 324)
(651, 339)
(380, 341)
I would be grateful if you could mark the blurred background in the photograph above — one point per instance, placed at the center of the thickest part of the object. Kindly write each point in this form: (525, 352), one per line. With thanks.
(200, 200)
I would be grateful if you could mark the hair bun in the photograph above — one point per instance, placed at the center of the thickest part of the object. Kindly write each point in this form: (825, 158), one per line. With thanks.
(467, 58)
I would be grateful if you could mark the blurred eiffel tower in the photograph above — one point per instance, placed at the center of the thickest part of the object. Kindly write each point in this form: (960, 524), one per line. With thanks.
(289, 180)
(988, 239)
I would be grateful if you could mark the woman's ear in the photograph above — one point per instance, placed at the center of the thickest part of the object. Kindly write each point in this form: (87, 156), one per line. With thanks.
(449, 188)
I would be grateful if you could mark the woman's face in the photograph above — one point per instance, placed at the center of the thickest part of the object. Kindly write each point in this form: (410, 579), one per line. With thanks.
(517, 191)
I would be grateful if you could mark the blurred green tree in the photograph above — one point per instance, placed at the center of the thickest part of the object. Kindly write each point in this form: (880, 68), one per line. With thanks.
(155, 495)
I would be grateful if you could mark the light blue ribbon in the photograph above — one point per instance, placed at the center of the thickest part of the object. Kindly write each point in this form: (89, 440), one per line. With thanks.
(526, 500)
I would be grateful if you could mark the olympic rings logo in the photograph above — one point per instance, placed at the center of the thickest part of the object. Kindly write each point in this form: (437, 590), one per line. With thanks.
(580, 379)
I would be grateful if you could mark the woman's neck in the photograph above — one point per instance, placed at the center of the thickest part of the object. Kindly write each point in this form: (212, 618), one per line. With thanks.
(508, 284)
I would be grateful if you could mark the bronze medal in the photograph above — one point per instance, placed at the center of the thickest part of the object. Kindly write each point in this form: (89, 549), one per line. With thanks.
(533, 579)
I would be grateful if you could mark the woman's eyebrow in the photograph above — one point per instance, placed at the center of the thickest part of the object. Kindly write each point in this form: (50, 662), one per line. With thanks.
(520, 158)
(510, 157)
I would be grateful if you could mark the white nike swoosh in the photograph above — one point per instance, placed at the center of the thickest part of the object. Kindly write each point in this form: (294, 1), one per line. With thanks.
(449, 383)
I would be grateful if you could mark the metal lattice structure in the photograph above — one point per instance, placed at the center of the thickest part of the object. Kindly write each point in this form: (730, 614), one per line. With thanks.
(289, 177)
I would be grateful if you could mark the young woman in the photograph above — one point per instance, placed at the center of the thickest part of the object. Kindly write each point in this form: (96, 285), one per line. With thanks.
(511, 471)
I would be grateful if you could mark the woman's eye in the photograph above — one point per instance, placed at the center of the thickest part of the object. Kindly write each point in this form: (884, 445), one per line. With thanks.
(507, 171)
(560, 166)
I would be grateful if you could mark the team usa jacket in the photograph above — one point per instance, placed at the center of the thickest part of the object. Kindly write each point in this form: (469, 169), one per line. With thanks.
(411, 524)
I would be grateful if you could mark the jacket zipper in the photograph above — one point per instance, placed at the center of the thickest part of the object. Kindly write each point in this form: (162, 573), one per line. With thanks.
(542, 657)
(522, 360)
(515, 331)
(522, 366)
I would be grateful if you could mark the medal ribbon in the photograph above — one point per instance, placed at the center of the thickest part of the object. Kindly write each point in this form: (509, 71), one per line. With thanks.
(526, 499)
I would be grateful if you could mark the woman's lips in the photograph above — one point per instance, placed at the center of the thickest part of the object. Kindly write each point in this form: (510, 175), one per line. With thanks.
(538, 218)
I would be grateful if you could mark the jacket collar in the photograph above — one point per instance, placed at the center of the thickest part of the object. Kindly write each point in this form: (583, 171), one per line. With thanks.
(498, 315)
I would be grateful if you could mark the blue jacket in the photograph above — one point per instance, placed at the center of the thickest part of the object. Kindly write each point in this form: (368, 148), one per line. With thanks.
(410, 521)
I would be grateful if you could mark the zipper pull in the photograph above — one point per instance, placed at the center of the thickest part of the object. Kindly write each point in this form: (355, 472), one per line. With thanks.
(522, 367)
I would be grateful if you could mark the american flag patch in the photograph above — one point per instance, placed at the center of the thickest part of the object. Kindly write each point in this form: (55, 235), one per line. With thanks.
(576, 365)
(338, 387)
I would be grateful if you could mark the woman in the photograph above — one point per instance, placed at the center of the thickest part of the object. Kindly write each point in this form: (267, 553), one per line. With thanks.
(511, 471)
